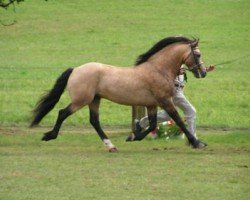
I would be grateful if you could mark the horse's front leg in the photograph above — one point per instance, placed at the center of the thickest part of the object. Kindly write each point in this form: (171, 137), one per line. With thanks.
(169, 107)
(152, 117)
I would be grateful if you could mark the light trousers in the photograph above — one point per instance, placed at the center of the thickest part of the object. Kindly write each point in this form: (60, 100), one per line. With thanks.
(181, 102)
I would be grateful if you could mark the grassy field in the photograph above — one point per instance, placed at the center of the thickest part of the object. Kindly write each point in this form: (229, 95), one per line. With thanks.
(77, 166)
(52, 36)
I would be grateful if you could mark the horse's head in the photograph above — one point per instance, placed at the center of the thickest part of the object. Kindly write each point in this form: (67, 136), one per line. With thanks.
(194, 62)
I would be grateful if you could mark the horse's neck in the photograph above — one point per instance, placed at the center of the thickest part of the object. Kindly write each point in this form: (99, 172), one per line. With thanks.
(168, 61)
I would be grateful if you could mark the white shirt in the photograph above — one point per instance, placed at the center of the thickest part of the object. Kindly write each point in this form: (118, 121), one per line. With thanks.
(179, 80)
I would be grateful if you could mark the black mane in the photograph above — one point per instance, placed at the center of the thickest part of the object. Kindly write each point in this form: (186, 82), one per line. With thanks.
(160, 45)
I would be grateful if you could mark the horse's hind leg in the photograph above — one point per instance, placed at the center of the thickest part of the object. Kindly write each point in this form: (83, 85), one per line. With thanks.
(94, 121)
(62, 115)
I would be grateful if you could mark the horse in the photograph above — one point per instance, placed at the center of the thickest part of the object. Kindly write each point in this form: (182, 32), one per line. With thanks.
(150, 83)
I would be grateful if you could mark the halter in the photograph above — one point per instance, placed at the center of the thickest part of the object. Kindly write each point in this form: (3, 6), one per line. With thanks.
(197, 63)
(196, 69)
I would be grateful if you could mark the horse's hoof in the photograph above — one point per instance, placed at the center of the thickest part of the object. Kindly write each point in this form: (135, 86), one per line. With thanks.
(130, 138)
(113, 150)
(49, 136)
(199, 145)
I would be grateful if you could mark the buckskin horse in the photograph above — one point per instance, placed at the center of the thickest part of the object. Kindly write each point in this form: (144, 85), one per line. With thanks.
(150, 83)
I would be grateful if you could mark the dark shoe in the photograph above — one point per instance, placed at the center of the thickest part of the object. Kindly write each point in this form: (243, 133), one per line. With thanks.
(138, 128)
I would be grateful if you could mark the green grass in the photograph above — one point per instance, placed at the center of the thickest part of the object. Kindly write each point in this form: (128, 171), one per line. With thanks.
(51, 36)
(77, 166)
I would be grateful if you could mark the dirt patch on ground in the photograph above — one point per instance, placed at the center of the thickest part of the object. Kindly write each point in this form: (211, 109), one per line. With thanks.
(109, 129)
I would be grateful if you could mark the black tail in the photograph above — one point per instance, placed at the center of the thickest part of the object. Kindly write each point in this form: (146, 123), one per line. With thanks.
(48, 101)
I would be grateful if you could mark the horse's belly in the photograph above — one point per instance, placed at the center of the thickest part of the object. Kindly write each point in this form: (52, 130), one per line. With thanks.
(131, 98)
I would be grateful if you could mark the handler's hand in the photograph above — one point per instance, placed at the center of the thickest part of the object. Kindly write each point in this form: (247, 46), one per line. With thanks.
(210, 68)
(182, 71)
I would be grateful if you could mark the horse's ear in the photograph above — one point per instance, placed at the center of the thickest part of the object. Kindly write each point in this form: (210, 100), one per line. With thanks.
(195, 43)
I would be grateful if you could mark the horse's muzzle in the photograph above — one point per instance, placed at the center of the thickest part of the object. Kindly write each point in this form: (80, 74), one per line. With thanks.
(203, 74)
(199, 74)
